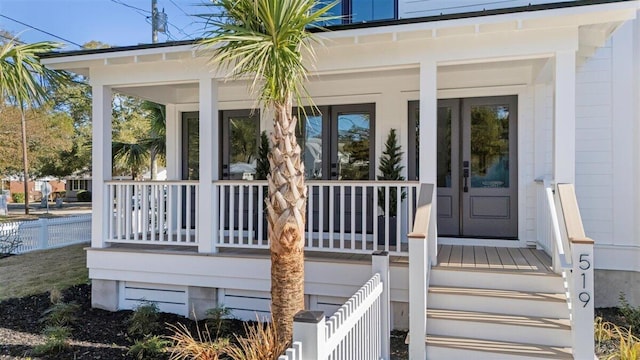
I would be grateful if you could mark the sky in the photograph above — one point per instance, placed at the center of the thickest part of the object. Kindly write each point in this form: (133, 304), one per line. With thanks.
(115, 22)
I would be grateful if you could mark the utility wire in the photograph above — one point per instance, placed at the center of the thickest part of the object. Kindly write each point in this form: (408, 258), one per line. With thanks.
(12, 39)
(131, 6)
(178, 6)
(42, 31)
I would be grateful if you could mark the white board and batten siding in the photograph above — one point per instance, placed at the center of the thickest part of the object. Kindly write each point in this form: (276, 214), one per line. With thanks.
(168, 298)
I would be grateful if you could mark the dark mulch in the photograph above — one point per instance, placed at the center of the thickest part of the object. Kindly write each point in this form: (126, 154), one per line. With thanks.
(98, 334)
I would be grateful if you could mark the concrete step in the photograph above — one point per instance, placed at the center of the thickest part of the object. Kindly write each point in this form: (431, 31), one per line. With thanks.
(499, 327)
(511, 302)
(452, 347)
(496, 279)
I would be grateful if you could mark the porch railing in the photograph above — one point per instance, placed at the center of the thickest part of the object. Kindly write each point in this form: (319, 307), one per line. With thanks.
(572, 254)
(344, 216)
(152, 212)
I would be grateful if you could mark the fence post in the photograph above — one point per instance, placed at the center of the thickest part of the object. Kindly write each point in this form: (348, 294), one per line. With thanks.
(380, 265)
(44, 233)
(582, 298)
(309, 329)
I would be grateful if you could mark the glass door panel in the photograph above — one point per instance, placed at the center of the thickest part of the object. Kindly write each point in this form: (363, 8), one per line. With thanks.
(490, 146)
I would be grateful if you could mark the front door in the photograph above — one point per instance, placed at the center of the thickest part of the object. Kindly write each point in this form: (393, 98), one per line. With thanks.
(477, 167)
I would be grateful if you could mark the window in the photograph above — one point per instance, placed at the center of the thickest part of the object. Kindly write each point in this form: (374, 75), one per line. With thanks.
(77, 185)
(361, 11)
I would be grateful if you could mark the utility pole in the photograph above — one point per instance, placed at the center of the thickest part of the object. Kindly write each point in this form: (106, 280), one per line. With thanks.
(154, 21)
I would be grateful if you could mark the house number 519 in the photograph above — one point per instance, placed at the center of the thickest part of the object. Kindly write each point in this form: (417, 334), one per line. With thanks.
(584, 264)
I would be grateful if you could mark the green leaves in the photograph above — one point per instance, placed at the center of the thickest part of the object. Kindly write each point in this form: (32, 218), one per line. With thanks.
(265, 40)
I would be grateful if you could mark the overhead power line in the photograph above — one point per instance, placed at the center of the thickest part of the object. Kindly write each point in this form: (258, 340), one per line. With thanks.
(42, 31)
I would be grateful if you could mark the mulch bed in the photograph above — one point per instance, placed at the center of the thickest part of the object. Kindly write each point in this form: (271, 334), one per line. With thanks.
(98, 334)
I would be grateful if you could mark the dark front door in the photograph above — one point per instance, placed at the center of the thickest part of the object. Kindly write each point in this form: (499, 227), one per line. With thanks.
(190, 161)
(477, 166)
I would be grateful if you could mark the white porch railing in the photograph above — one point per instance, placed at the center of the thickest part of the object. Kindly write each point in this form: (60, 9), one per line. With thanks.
(563, 238)
(152, 212)
(47, 233)
(358, 330)
(342, 216)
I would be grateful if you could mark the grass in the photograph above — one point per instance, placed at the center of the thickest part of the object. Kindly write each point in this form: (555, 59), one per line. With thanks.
(41, 271)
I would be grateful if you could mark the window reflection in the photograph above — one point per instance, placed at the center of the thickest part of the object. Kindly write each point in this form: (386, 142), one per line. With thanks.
(490, 146)
(371, 10)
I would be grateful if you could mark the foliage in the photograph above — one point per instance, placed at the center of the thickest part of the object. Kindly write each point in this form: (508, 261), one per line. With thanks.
(630, 313)
(155, 143)
(144, 320)
(391, 170)
(260, 343)
(262, 163)
(61, 314)
(628, 345)
(186, 346)
(603, 330)
(150, 347)
(17, 197)
(57, 340)
(9, 241)
(84, 196)
(216, 317)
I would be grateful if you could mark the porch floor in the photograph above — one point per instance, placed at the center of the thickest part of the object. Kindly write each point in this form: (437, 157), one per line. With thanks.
(494, 258)
(449, 256)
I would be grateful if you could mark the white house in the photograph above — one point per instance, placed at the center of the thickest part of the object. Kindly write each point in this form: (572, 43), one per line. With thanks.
(505, 110)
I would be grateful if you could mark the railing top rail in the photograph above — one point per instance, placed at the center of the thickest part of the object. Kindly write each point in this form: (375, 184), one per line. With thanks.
(152, 182)
(571, 212)
(325, 182)
(423, 212)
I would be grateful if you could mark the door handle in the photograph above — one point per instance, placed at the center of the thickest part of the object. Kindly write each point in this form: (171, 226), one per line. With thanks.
(465, 175)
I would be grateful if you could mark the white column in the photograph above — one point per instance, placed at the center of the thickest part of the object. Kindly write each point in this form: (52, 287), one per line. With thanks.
(429, 143)
(208, 209)
(564, 124)
(102, 99)
(174, 149)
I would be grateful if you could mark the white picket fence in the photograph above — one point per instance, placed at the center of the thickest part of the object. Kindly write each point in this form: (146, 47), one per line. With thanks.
(48, 233)
(358, 330)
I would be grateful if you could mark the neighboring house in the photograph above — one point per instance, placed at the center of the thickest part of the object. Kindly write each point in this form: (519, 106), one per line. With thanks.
(15, 185)
(75, 183)
(493, 107)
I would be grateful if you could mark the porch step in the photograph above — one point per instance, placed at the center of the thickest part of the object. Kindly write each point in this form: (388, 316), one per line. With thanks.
(449, 347)
(499, 327)
(513, 302)
(528, 281)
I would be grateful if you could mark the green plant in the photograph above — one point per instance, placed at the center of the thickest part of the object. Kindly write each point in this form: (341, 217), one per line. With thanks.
(216, 317)
(186, 346)
(260, 343)
(262, 162)
(55, 296)
(391, 170)
(150, 347)
(57, 340)
(84, 196)
(144, 320)
(630, 313)
(60, 314)
(17, 197)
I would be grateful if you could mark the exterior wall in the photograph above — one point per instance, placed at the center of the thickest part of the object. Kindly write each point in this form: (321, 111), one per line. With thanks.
(607, 163)
(418, 8)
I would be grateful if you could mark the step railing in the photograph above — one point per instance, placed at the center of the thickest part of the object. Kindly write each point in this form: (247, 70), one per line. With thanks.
(564, 239)
(360, 329)
(342, 216)
(152, 212)
(422, 255)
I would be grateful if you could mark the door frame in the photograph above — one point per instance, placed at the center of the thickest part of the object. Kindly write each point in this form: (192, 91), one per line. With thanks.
(525, 108)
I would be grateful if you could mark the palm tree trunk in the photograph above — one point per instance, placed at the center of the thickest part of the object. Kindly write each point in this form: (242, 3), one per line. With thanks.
(25, 159)
(286, 216)
(153, 169)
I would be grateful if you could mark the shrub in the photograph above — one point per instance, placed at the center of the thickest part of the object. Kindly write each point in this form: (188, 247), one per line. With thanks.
(151, 347)
(17, 197)
(260, 343)
(144, 320)
(630, 313)
(216, 317)
(186, 346)
(61, 314)
(628, 346)
(9, 241)
(57, 340)
(84, 196)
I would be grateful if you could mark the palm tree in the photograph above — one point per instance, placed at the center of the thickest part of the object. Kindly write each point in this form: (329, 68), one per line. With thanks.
(130, 156)
(156, 142)
(24, 82)
(266, 40)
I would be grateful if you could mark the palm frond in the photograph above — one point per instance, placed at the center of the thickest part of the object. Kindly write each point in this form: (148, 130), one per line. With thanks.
(266, 41)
